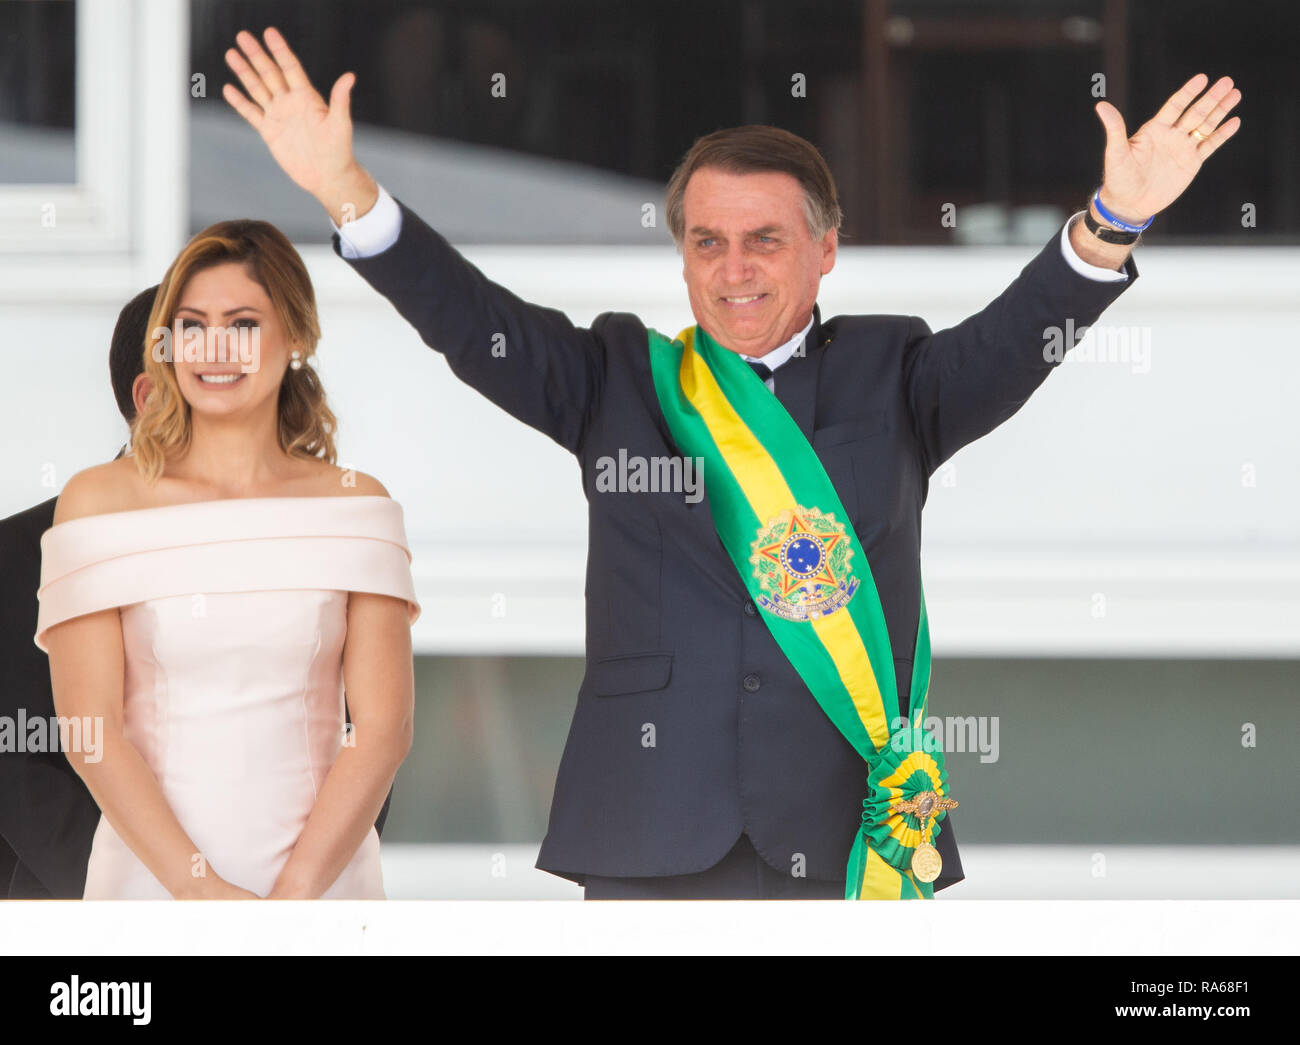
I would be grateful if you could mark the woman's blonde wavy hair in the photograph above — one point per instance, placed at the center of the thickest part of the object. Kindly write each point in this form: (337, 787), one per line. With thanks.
(306, 424)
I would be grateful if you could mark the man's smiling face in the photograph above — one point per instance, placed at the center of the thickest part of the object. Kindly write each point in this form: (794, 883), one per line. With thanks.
(751, 266)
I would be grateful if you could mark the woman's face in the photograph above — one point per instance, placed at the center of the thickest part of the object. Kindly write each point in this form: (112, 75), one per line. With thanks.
(229, 349)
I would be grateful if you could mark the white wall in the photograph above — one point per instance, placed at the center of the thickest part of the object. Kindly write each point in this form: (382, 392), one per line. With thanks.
(1112, 516)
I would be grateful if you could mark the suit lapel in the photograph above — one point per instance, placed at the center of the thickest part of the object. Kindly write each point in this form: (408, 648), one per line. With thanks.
(795, 381)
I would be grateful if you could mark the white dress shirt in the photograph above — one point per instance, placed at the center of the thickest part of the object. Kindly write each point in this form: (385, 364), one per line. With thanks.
(378, 228)
(779, 355)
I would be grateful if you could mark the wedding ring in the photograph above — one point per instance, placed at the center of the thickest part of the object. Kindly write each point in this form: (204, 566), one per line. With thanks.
(1196, 133)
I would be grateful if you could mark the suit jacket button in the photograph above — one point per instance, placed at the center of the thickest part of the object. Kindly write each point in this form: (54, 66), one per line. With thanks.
(752, 682)
(751, 610)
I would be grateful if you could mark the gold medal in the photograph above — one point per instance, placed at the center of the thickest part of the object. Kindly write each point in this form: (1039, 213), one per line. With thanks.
(926, 862)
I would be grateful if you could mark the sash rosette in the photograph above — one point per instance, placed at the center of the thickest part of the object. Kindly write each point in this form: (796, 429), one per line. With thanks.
(787, 533)
(909, 766)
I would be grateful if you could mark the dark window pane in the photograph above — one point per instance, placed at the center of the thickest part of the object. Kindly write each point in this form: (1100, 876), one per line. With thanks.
(489, 732)
(38, 91)
(987, 106)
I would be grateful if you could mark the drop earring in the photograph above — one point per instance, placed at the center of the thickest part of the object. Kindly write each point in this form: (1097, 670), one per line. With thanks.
(295, 361)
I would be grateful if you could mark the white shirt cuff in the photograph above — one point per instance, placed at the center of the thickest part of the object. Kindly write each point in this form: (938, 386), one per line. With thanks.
(372, 233)
(1079, 265)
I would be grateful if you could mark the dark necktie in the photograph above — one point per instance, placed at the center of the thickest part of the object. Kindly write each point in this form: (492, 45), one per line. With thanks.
(761, 369)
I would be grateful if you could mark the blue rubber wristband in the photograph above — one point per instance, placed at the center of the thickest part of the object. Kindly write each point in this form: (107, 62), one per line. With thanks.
(1117, 222)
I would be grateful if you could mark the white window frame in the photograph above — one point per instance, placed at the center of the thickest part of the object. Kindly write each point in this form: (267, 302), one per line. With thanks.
(123, 218)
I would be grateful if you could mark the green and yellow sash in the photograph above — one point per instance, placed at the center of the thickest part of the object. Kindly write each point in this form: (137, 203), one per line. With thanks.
(787, 532)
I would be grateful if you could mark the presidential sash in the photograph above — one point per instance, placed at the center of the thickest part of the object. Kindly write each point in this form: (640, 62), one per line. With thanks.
(786, 531)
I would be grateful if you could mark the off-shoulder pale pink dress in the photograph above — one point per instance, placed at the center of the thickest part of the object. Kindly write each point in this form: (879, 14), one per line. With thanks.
(234, 614)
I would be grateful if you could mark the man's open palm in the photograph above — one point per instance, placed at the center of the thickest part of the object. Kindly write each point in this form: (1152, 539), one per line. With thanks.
(311, 141)
(1147, 172)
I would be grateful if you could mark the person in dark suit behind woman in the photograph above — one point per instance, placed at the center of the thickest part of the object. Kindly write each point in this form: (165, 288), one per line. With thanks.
(47, 816)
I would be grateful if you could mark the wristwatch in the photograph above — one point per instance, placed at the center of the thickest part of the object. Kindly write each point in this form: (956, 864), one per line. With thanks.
(1107, 234)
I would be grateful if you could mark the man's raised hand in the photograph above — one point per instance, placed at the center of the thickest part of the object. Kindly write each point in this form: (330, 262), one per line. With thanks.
(1146, 173)
(310, 140)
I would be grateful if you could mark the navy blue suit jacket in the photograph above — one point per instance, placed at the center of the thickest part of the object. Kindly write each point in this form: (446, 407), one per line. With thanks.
(47, 815)
(671, 636)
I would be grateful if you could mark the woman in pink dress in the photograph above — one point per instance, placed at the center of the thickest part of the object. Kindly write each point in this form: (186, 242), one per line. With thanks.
(212, 595)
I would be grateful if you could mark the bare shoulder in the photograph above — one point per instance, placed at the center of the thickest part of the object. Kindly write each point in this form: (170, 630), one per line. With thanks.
(332, 481)
(368, 486)
(102, 488)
